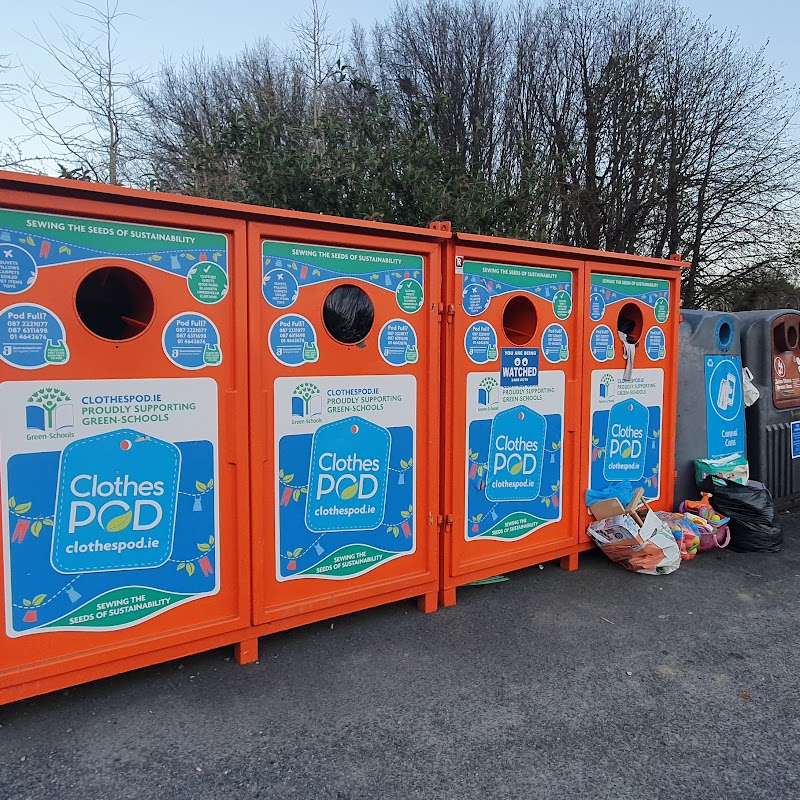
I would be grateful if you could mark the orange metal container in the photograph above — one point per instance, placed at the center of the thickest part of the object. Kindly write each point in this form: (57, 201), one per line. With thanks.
(629, 429)
(512, 411)
(345, 440)
(195, 451)
(123, 385)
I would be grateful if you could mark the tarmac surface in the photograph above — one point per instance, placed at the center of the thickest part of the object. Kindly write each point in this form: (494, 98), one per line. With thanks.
(594, 684)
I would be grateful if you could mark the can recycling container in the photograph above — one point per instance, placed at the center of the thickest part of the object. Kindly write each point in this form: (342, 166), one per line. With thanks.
(710, 421)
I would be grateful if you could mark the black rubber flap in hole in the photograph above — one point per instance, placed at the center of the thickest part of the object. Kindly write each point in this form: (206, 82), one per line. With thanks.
(519, 320)
(348, 314)
(791, 335)
(630, 322)
(115, 303)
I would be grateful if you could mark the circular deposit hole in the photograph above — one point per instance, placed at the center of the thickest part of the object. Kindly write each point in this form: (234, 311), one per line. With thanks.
(519, 320)
(115, 303)
(348, 314)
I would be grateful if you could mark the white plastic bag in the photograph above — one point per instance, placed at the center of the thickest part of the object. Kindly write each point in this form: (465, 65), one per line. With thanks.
(751, 394)
(651, 549)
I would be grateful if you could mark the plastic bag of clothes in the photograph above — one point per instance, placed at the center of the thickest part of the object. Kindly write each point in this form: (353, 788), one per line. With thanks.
(754, 523)
(651, 549)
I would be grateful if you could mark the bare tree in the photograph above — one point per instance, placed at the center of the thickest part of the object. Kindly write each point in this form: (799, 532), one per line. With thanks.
(318, 57)
(626, 125)
(449, 58)
(637, 127)
(11, 156)
(202, 115)
(83, 118)
(7, 160)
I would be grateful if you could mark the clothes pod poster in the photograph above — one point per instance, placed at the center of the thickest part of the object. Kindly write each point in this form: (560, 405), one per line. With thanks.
(110, 497)
(515, 416)
(345, 451)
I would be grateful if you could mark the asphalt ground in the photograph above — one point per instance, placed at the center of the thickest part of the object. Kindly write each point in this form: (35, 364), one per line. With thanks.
(595, 684)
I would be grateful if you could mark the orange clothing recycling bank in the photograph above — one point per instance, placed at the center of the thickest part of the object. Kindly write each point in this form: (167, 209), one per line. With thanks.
(220, 421)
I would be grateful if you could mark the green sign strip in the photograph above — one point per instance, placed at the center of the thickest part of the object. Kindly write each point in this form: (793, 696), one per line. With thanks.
(350, 561)
(341, 260)
(119, 607)
(105, 237)
(629, 285)
(515, 526)
(516, 275)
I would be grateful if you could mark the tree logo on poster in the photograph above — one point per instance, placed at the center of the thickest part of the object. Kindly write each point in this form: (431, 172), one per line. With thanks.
(116, 503)
(488, 394)
(349, 476)
(608, 387)
(306, 402)
(49, 410)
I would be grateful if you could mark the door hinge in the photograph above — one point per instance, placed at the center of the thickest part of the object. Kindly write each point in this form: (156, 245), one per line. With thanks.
(445, 522)
(448, 312)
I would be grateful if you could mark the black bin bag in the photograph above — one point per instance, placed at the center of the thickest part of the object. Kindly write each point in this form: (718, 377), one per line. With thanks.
(754, 524)
(348, 314)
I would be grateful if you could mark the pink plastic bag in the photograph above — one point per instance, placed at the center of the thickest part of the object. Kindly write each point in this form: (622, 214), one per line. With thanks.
(718, 537)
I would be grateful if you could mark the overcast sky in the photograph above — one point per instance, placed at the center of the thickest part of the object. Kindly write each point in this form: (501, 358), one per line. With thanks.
(171, 27)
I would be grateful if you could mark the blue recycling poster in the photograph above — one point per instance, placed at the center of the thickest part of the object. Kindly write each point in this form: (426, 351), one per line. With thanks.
(626, 430)
(795, 439)
(110, 512)
(725, 428)
(514, 469)
(345, 477)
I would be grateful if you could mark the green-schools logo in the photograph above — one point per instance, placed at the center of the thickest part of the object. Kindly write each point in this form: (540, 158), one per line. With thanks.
(608, 387)
(306, 402)
(488, 394)
(49, 410)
